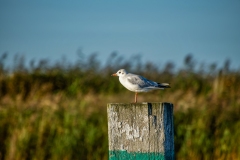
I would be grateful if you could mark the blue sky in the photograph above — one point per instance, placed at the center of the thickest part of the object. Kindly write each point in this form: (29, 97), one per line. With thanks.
(160, 31)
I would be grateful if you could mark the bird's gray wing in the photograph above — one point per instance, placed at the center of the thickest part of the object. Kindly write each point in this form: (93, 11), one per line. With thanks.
(141, 81)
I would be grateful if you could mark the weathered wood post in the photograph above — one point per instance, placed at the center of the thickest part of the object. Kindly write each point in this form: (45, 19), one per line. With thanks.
(140, 131)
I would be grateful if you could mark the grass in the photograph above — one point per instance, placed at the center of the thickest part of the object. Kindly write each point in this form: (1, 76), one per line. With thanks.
(59, 111)
(64, 129)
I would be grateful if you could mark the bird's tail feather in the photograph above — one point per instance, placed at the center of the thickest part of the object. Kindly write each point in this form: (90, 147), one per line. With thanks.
(163, 85)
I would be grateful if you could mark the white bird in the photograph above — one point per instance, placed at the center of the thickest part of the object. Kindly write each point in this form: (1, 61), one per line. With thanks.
(137, 83)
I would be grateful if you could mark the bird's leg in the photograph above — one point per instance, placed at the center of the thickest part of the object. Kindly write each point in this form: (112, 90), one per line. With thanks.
(135, 97)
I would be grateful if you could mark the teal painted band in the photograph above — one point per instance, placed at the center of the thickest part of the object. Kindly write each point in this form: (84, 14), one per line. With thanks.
(124, 155)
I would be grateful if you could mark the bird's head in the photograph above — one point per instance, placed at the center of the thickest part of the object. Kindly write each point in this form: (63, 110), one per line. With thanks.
(120, 73)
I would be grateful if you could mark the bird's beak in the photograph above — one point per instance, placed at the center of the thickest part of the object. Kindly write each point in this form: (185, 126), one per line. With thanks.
(114, 74)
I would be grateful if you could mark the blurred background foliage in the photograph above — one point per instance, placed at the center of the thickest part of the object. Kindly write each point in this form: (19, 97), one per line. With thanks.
(58, 110)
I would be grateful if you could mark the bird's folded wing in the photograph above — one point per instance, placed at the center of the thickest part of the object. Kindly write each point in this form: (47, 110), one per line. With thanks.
(141, 81)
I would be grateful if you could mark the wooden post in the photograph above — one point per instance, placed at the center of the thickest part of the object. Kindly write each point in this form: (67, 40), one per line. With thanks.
(140, 131)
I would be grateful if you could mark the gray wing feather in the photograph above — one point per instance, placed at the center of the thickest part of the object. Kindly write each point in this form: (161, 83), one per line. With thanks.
(141, 81)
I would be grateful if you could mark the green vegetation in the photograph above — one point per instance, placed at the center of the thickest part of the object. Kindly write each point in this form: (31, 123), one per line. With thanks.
(58, 111)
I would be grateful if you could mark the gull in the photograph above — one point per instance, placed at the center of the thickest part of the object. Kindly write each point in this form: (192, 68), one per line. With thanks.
(137, 83)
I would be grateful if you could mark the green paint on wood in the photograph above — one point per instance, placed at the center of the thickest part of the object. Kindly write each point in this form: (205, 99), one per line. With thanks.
(124, 155)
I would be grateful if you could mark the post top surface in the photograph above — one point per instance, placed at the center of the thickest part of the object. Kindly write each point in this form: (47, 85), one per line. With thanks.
(140, 103)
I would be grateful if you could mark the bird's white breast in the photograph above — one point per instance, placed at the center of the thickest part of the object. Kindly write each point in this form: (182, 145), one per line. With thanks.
(132, 87)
